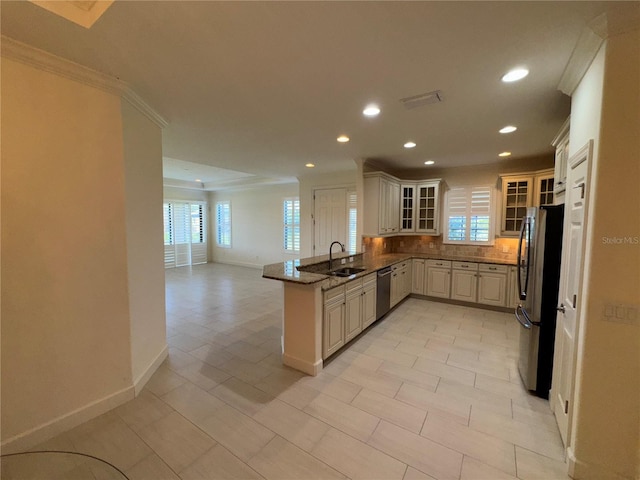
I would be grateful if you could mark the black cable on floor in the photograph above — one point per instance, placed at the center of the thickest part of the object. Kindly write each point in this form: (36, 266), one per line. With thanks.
(69, 453)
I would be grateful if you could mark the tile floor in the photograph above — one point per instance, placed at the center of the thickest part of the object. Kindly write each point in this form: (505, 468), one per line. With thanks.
(430, 392)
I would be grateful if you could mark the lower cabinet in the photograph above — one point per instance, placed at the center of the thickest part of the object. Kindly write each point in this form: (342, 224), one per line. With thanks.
(464, 281)
(368, 300)
(492, 284)
(417, 276)
(439, 278)
(400, 282)
(348, 309)
(333, 321)
(353, 309)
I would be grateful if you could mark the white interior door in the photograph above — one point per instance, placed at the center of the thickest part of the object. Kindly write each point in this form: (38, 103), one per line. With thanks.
(330, 219)
(569, 295)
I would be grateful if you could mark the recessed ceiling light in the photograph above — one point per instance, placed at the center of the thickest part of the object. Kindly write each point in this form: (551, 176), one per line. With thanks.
(198, 180)
(508, 129)
(429, 162)
(343, 139)
(504, 154)
(309, 165)
(371, 110)
(409, 145)
(515, 75)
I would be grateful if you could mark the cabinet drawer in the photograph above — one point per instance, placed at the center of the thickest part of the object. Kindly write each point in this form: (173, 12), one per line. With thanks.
(368, 279)
(334, 293)
(399, 265)
(353, 285)
(470, 266)
(487, 267)
(439, 263)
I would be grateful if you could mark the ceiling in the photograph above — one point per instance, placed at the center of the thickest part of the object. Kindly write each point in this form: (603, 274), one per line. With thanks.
(263, 88)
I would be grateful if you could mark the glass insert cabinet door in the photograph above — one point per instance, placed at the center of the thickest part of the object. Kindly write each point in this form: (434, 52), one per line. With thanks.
(427, 205)
(407, 208)
(516, 199)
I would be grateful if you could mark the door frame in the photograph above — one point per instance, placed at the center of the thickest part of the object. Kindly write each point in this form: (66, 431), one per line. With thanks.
(585, 154)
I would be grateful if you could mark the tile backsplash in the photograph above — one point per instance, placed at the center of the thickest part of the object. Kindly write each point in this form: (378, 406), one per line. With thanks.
(503, 248)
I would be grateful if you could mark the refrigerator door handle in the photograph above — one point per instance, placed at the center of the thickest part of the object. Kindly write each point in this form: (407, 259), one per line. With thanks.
(520, 240)
(525, 321)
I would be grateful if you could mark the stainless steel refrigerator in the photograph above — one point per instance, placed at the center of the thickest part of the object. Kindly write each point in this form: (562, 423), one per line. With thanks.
(539, 256)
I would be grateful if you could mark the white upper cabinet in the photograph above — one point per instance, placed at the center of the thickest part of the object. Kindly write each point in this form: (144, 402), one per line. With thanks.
(561, 142)
(407, 208)
(544, 188)
(428, 207)
(418, 206)
(381, 204)
(517, 195)
(519, 191)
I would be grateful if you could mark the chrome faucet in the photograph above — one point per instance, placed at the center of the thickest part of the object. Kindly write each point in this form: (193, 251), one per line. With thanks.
(330, 247)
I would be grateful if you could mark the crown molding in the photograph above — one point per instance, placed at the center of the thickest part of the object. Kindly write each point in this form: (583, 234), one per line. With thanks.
(45, 61)
(608, 24)
(583, 54)
(143, 107)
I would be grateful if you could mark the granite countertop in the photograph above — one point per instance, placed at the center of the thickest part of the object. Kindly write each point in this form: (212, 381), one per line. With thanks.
(288, 271)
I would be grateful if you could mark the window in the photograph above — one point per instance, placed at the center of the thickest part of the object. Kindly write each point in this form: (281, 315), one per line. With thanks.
(185, 233)
(198, 230)
(468, 216)
(223, 224)
(167, 214)
(353, 222)
(291, 220)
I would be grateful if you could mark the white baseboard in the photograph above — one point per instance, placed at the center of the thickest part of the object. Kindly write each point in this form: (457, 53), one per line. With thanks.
(257, 266)
(141, 381)
(50, 429)
(302, 365)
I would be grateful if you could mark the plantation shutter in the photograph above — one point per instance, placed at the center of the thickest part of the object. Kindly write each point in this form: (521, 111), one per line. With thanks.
(353, 222)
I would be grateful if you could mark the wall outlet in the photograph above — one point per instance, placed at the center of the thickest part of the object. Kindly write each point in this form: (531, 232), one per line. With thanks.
(350, 259)
(343, 261)
(505, 249)
(621, 313)
(431, 245)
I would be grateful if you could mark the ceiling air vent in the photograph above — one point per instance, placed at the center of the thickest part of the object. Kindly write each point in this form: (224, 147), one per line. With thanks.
(422, 99)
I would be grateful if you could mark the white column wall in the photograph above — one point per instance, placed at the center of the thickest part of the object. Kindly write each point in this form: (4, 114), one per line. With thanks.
(142, 141)
(65, 305)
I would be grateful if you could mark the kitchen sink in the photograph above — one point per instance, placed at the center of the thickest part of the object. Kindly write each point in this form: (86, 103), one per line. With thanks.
(346, 271)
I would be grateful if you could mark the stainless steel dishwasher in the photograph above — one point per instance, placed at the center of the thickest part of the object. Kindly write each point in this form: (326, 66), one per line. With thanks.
(383, 292)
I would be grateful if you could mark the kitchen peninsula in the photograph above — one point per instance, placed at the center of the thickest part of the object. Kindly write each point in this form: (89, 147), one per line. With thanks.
(323, 311)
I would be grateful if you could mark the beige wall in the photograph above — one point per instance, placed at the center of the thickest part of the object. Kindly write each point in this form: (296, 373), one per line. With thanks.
(65, 308)
(256, 225)
(607, 417)
(83, 319)
(175, 193)
(142, 141)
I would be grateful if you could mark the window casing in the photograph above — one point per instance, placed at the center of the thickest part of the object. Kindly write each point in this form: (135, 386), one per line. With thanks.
(469, 216)
(223, 224)
(291, 222)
